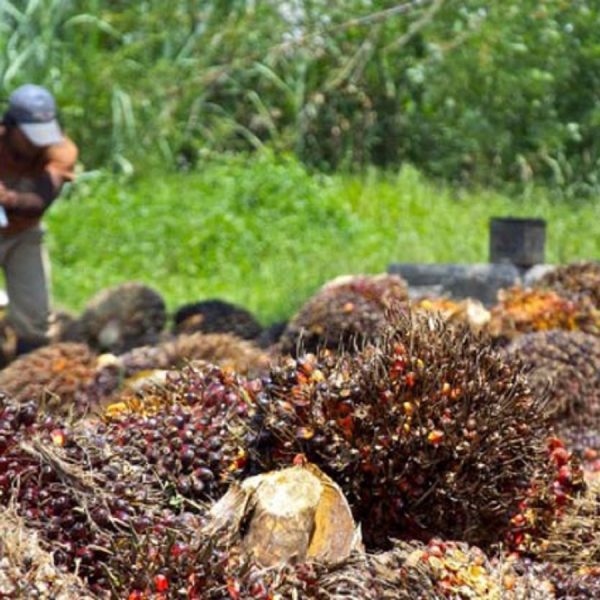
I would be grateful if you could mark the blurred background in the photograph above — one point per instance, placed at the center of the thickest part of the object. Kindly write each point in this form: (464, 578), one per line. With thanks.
(253, 149)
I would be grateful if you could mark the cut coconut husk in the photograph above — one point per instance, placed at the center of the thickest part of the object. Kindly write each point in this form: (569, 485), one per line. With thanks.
(521, 311)
(344, 313)
(216, 316)
(123, 317)
(293, 515)
(27, 570)
(53, 376)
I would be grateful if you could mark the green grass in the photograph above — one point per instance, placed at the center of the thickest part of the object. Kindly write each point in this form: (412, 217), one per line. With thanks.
(264, 233)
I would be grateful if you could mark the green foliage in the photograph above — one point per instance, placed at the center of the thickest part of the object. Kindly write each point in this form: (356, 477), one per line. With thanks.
(263, 232)
(466, 90)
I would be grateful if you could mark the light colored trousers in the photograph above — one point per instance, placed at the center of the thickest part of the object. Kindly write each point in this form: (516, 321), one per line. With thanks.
(26, 267)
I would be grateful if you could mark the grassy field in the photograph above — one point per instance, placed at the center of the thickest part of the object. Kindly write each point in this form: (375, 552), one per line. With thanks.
(264, 233)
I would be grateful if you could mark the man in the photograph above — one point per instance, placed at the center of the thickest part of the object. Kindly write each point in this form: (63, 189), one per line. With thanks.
(36, 159)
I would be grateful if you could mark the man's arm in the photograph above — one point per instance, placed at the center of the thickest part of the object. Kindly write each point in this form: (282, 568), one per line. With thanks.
(34, 203)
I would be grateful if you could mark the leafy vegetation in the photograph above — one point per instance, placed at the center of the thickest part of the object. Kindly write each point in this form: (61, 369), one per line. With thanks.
(466, 90)
(264, 232)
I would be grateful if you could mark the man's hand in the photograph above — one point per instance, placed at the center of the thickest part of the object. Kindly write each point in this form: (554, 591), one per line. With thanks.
(6, 196)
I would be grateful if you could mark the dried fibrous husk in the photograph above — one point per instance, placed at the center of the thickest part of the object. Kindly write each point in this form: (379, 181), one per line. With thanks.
(216, 316)
(427, 431)
(123, 317)
(52, 375)
(469, 311)
(346, 311)
(293, 515)
(27, 570)
(579, 279)
(521, 311)
(564, 365)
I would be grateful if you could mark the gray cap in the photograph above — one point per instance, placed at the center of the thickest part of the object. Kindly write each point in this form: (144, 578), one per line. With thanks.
(33, 109)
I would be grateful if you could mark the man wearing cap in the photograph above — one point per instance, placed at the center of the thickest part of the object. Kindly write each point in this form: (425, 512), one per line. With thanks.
(36, 159)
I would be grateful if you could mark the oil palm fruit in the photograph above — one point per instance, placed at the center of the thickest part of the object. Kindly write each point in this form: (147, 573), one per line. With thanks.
(578, 279)
(344, 312)
(54, 376)
(427, 431)
(123, 317)
(521, 311)
(216, 316)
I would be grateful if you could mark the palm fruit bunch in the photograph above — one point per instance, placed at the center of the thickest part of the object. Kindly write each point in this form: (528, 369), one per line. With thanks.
(83, 500)
(271, 334)
(65, 327)
(27, 570)
(566, 582)
(546, 501)
(566, 366)
(427, 431)
(521, 311)
(125, 371)
(216, 316)
(123, 317)
(344, 312)
(53, 376)
(579, 279)
(575, 538)
(189, 430)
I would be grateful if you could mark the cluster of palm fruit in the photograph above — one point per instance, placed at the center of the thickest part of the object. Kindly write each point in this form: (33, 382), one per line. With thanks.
(128, 371)
(80, 498)
(54, 376)
(579, 279)
(564, 365)
(346, 311)
(216, 316)
(27, 570)
(521, 311)
(426, 431)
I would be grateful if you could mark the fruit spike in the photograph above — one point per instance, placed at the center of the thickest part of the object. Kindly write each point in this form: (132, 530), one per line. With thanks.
(426, 431)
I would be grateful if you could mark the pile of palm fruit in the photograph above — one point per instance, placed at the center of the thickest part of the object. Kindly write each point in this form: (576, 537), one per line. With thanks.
(466, 455)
